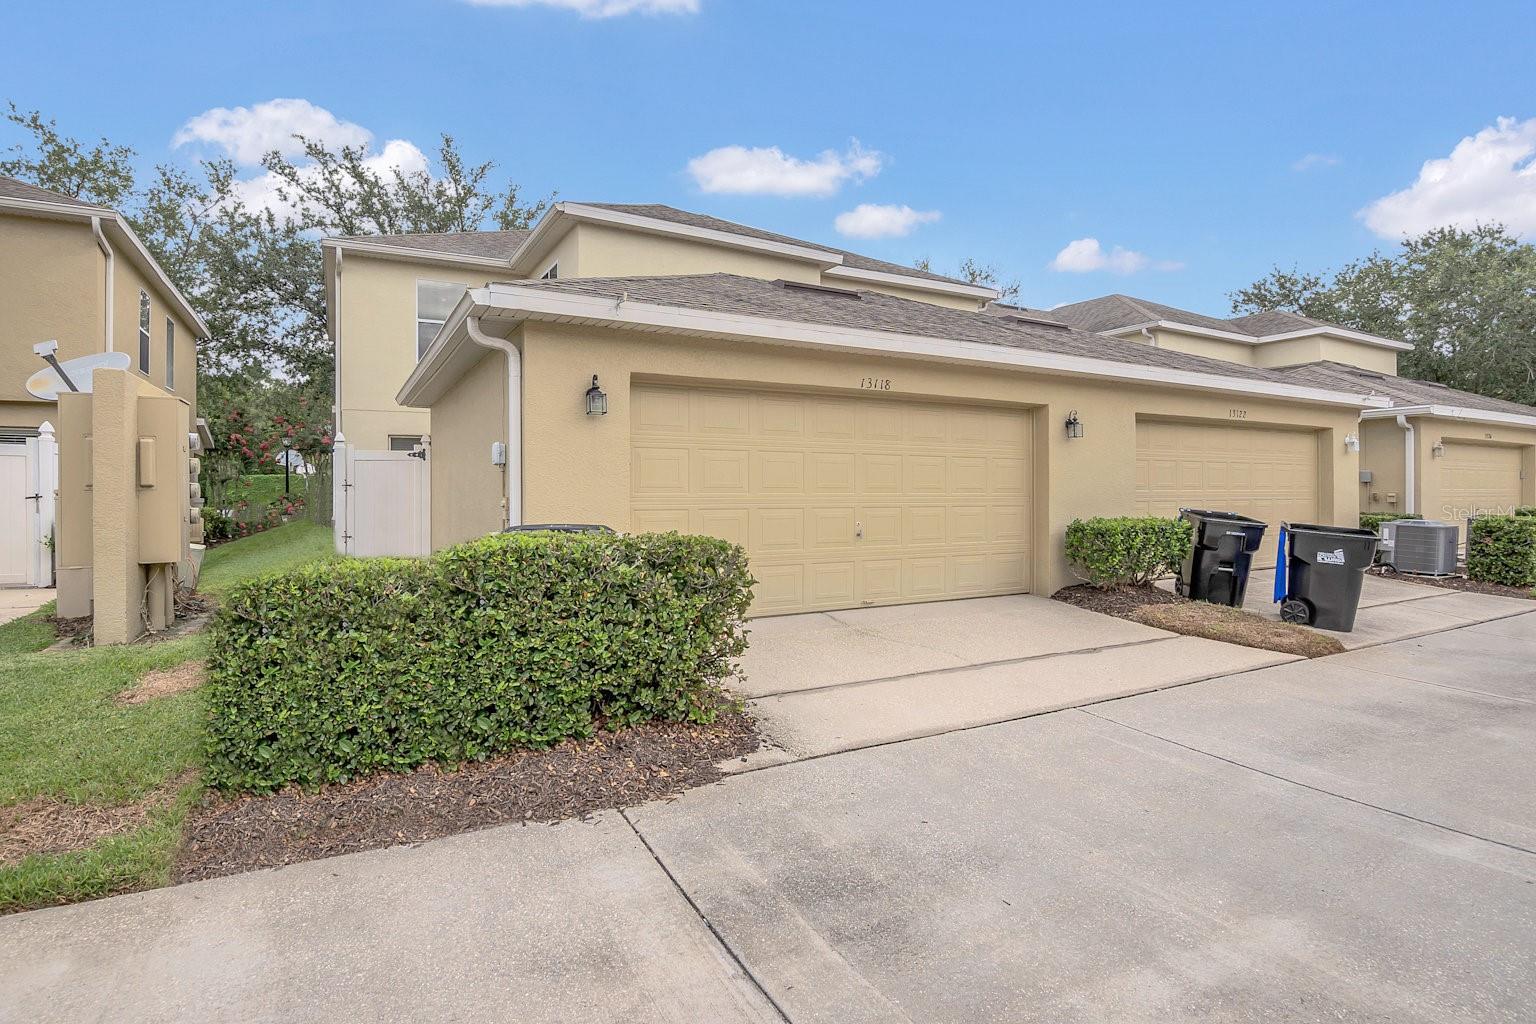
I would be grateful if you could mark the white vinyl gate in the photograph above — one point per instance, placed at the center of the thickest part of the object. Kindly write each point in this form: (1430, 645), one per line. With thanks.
(29, 480)
(383, 501)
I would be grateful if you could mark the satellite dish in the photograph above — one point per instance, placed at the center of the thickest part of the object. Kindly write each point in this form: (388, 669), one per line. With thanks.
(47, 385)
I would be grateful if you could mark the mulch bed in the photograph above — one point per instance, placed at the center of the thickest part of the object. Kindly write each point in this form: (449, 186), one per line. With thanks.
(1160, 609)
(574, 779)
(1116, 601)
(1461, 583)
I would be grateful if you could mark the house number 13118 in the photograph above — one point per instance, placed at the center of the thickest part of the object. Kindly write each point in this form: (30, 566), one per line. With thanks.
(875, 383)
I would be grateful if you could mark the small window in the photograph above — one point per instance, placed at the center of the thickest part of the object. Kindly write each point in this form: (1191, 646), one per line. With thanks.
(434, 301)
(170, 354)
(144, 333)
(552, 274)
(404, 442)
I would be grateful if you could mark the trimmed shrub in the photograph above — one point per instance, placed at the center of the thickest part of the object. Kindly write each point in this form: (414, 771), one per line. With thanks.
(1502, 549)
(1127, 551)
(333, 670)
(1526, 510)
(1373, 520)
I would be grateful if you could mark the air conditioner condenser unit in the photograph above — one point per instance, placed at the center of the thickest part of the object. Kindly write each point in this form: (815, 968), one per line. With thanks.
(1420, 546)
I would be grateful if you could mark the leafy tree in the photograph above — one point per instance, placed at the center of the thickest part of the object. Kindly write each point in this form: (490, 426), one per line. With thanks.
(1464, 298)
(986, 275)
(101, 174)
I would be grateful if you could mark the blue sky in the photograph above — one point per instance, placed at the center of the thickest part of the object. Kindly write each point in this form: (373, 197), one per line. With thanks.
(1204, 143)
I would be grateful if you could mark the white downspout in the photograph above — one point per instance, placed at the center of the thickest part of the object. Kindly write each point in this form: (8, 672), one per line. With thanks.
(1410, 463)
(106, 249)
(1146, 332)
(514, 467)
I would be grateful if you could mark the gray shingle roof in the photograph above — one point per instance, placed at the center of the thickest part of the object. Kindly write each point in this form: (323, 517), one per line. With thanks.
(497, 245)
(728, 293)
(1401, 390)
(1112, 312)
(11, 188)
(672, 215)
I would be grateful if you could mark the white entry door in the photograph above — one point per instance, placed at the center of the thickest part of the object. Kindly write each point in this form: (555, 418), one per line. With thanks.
(17, 516)
(386, 503)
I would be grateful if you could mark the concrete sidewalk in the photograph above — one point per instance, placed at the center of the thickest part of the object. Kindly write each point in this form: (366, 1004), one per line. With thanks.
(18, 601)
(558, 923)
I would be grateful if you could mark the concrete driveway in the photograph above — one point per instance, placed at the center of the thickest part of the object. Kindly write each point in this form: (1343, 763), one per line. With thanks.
(835, 681)
(1350, 839)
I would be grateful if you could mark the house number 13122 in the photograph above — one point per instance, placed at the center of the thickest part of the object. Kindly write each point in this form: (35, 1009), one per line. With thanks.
(875, 383)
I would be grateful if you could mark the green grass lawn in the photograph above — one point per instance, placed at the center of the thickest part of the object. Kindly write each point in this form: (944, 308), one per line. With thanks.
(62, 737)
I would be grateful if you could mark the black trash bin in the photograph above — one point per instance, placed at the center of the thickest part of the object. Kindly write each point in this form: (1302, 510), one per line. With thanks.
(1216, 568)
(1319, 571)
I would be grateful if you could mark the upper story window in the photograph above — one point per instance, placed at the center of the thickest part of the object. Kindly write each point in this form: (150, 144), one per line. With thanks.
(434, 301)
(170, 354)
(552, 274)
(144, 333)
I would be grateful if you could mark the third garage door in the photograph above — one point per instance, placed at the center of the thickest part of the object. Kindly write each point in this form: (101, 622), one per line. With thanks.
(1477, 479)
(840, 501)
(1263, 472)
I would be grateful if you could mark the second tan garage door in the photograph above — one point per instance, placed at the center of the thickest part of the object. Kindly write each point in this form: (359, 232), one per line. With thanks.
(1262, 472)
(840, 501)
(1477, 479)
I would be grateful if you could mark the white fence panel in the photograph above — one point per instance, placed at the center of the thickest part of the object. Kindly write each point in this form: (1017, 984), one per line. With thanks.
(383, 501)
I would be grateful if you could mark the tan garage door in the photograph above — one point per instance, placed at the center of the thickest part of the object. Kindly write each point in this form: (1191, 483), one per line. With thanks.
(1477, 479)
(1261, 472)
(840, 501)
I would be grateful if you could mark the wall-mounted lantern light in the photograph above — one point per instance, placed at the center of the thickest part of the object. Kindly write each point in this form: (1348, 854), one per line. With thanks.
(1438, 451)
(597, 401)
(1074, 425)
(1352, 444)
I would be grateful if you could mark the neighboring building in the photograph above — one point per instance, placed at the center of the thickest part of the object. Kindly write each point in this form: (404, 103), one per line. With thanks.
(1437, 452)
(865, 448)
(74, 273)
(1272, 339)
(387, 295)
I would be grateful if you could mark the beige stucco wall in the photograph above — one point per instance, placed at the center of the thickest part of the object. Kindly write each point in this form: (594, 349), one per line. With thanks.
(53, 285)
(467, 491)
(1382, 452)
(375, 335)
(605, 251)
(1338, 350)
(1211, 348)
(577, 467)
(51, 281)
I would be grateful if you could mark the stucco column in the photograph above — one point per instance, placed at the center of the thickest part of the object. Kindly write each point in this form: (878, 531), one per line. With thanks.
(117, 578)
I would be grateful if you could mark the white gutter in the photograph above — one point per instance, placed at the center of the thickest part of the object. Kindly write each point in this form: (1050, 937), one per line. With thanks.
(106, 250)
(413, 255)
(1260, 339)
(1454, 412)
(970, 291)
(512, 510)
(1410, 463)
(524, 302)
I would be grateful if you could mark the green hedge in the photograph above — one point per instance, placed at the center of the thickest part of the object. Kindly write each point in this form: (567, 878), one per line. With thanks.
(1127, 551)
(332, 670)
(1502, 549)
(1373, 520)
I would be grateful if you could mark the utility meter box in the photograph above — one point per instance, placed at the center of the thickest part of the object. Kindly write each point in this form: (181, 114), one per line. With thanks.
(161, 480)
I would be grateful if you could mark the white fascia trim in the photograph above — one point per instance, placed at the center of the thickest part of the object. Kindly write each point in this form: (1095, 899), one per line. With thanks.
(971, 291)
(545, 232)
(1256, 339)
(524, 303)
(1453, 412)
(114, 220)
(414, 255)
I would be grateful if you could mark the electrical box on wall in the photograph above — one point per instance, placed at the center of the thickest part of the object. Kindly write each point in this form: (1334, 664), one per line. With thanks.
(1366, 476)
(164, 459)
(498, 453)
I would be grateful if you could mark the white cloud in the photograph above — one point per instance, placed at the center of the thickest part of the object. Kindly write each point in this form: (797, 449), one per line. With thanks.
(262, 190)
(602, 8)
(1313, 161)
(249, 133)
(769, 172)
(875, 220)
(1086, 255)
(1489, 178)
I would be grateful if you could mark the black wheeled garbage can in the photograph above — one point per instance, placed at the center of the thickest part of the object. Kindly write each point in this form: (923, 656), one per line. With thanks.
(1319, 571)
(1216, 568)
